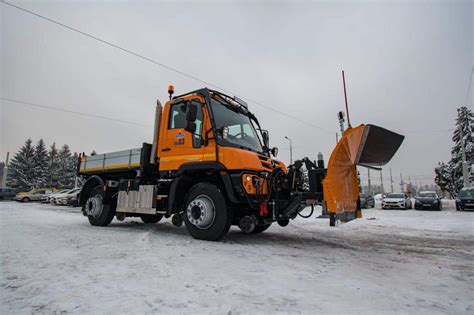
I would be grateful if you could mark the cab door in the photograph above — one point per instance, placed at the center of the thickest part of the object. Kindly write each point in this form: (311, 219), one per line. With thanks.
(176, 145)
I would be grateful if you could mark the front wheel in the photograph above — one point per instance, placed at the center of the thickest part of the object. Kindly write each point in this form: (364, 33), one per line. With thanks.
(206, 214)
(25, 199)
(98, 211)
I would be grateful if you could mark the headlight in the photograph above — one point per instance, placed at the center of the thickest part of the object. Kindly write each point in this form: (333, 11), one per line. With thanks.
(436, 201)
(417, 201)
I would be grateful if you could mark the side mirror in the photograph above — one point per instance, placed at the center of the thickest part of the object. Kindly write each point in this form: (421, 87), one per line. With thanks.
(274, 151)
(266, 138)
(190, 126)
(191, 113)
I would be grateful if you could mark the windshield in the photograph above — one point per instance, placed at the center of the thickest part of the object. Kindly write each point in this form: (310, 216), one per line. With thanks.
(466, 193)
(395, 196)
(427, 195)
(241, 131)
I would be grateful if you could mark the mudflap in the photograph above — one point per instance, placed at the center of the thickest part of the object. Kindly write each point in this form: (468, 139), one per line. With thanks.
(364, 145)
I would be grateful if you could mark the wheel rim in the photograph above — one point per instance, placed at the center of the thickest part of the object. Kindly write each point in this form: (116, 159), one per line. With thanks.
(201, 212)
(95, 206)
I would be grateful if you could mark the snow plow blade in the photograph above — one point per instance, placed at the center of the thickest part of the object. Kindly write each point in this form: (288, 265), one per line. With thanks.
(364, 145)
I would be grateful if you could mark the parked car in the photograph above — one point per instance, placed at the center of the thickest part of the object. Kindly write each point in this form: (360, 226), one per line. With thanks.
(428, 200)
(7, 193)
(47, 197)
(366, 201)
(73, 200)
(396, 201)
(51, 197)
(465, 200)
(34, 194)
(61, 199)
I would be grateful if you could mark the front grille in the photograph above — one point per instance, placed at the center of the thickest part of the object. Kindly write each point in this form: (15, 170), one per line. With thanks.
(266, 162)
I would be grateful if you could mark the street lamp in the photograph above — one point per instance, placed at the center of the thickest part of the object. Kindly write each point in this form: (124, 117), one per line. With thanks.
(291, 150)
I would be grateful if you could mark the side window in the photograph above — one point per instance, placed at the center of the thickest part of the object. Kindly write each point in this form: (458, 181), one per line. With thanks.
(177, 116)
(39, 192)
(177, 120)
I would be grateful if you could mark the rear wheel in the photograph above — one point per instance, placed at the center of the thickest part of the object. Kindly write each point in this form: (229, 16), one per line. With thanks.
(151, 218)
(206, 214)
(261, 228)
(25, 199)
(98, 211)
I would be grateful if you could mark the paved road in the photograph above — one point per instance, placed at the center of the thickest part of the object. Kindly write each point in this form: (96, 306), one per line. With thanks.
(52, 260)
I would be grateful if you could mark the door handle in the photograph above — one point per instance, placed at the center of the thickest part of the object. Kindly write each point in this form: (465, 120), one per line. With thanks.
(165, 149)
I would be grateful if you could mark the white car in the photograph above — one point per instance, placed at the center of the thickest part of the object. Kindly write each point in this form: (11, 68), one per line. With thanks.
(61, 199)
(396, 201)
(50, 197)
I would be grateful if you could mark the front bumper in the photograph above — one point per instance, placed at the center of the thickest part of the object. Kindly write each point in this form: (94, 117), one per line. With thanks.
(390, 205)
(428, 206)
(465, 206)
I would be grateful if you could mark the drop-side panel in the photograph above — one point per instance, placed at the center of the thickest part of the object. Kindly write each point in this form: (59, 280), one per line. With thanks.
(120, 160)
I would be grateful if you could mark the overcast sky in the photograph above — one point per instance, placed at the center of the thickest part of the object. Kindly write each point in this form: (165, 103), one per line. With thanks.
(407, 67)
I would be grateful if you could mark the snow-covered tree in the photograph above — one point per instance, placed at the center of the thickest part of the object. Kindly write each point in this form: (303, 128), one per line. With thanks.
(66, 167)
(21, 168)
(54, 169)
(449, 175)
(40, 164)
(465, 129)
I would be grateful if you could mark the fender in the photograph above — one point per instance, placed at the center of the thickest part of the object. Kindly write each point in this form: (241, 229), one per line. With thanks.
(184, 181)
(90, 184)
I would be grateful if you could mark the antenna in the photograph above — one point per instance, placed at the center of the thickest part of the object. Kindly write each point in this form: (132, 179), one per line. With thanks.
(345, 98)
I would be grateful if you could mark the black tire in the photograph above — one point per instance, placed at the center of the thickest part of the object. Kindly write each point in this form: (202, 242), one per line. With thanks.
(261, 228)
(108, 212)
(151, 218)
(25, 199)
(221, 218)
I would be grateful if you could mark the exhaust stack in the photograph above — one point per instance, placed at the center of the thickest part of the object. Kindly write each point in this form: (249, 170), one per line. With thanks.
(156, 129)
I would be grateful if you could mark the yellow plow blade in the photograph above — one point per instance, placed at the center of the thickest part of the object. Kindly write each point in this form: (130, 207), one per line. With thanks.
(365, 145)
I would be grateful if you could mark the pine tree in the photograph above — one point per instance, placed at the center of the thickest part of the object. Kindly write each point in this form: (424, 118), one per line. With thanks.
(66, 173)
(21, 167)
(40, 164)
(449, 175)
(465, 129)
(53, 160)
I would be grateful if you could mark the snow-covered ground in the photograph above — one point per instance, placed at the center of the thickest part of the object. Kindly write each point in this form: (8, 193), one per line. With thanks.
(411, 261)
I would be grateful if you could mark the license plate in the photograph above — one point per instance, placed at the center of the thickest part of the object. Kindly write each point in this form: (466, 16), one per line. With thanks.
(469, 204)
(426, 205)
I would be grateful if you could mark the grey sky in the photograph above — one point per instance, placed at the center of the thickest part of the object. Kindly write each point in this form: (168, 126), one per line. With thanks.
(407, 69)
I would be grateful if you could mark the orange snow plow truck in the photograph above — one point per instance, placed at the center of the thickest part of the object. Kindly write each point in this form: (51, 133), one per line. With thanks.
(210, 166)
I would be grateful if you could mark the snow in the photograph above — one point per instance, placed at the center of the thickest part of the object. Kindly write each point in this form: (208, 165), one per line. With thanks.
(410, 261)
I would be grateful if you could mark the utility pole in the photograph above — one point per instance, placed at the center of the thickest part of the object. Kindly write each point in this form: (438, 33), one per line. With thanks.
(291, 150)
(465, 175)
(368, 181)
(381, 182)
(391, 180)
(5, 171)
(401, 182)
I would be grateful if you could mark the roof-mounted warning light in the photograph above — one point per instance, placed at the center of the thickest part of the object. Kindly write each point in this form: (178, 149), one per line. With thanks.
(171, 90)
